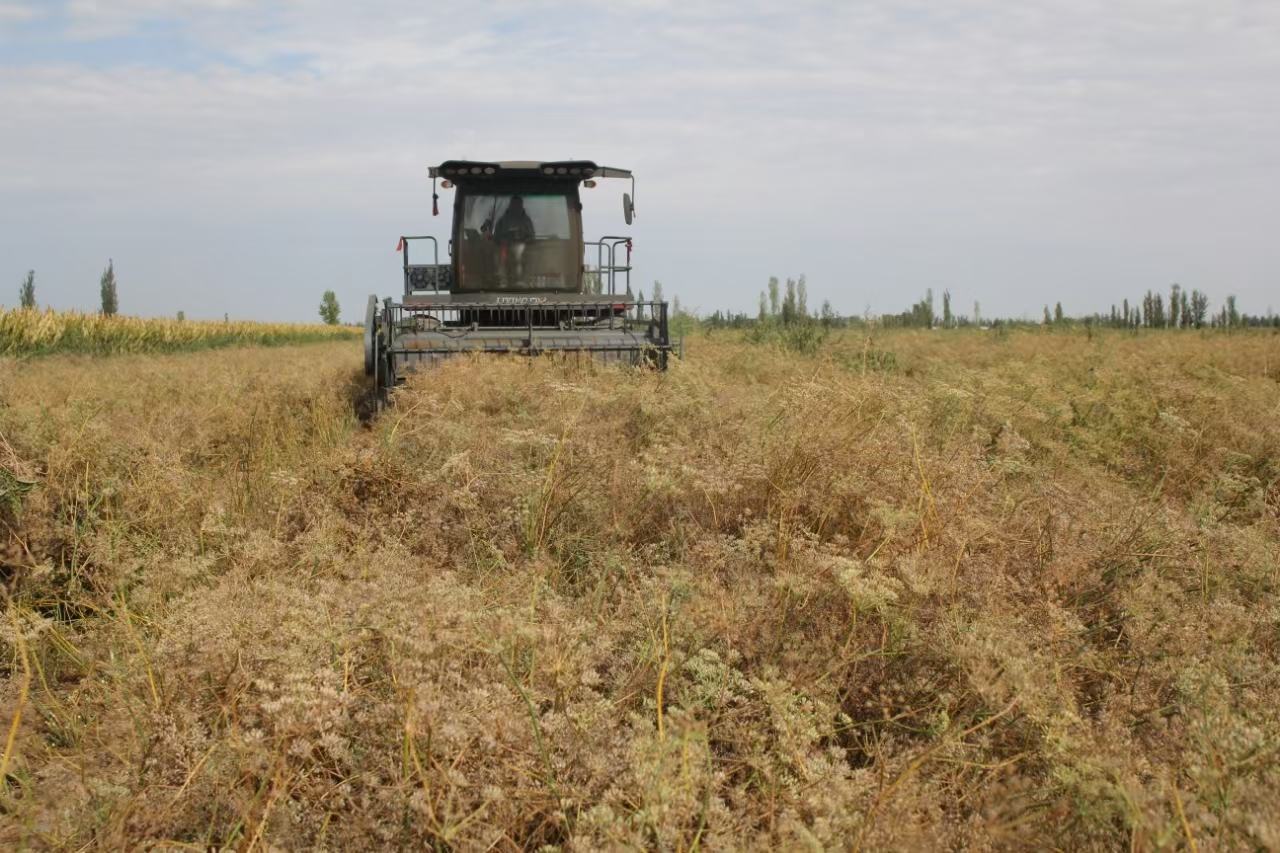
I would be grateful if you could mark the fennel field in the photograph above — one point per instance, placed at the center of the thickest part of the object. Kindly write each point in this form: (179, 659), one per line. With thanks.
(916, 591)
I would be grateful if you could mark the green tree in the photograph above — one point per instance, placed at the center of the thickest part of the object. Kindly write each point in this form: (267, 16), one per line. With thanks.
(1058, 316)
(182, 315)
(109, 289)
(789, 303)
(829, 316)
(946, 309)
(1185, 311)
(802, 298)
(1231, 314)
(1175, 305)
(775, 303)
(329, 310)
(1199, 309)
(657, 291)
(1047, 318)
(764, 308)
(27, 295)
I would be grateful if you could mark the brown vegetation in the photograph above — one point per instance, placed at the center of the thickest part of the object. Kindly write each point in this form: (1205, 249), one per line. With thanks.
(987, 592)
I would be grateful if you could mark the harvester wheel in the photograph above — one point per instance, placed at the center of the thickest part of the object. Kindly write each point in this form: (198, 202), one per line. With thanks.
(370, 336)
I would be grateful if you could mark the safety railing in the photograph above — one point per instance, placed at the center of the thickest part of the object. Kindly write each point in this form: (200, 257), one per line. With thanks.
(615, 278)
(425, 277)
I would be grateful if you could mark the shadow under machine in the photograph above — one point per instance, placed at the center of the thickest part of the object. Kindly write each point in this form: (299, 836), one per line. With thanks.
(520, 277)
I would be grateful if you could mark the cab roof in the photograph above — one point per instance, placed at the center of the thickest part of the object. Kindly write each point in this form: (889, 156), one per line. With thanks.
(575, 170)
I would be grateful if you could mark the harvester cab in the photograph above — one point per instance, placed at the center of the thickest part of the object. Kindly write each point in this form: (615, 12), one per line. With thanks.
(519, 277)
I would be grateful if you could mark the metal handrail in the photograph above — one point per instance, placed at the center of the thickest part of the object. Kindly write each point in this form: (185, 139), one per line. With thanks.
(434, 243)
(614, 267)
(610, 244)
(435, 249)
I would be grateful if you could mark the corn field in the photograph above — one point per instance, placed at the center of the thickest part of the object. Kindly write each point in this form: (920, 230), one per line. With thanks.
(30, 333)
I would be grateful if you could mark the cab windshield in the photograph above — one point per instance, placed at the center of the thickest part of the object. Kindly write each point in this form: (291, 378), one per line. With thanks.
(517, 241)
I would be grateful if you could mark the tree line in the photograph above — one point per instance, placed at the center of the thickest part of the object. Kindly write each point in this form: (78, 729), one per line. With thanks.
(788, 305)
(108, 290)
(1184, 308)
(109, 296)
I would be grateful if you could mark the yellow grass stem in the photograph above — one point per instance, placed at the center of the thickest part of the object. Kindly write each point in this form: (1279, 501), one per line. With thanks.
(24, 687)
(123, 609)
(1182, 815)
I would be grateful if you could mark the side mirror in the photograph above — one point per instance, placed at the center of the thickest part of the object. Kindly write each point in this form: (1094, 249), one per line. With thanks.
(628, 209)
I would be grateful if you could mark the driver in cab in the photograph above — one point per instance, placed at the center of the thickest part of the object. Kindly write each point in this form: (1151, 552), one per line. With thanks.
(514, 225)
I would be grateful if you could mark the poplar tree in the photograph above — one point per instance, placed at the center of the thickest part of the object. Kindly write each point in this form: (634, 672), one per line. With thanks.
(27, 295)
(108, 287)
(1199, 309)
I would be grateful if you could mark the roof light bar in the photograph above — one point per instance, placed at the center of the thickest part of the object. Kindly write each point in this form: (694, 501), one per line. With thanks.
(569, 169)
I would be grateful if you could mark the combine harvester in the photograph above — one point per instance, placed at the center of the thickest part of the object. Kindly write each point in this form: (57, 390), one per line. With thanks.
(516, 281)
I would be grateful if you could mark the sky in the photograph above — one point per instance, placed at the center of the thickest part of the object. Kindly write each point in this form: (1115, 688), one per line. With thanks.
(240, 157)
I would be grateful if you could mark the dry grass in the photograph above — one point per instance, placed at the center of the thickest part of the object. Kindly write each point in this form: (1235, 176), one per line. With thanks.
(1009, 593)
(32, 333)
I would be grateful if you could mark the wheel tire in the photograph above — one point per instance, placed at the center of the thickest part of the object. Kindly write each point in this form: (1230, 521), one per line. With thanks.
(370, 336)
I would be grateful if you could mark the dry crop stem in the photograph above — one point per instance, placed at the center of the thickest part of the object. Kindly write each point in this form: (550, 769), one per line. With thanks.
(1012, 592)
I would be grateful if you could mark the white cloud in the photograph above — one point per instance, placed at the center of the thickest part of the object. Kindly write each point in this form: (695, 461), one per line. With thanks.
(862, 143)
(92, 19)
(16, 12)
